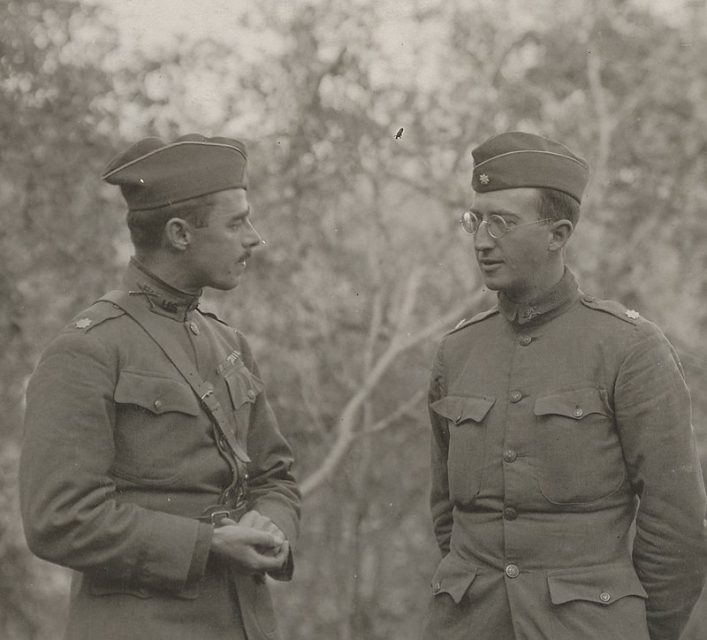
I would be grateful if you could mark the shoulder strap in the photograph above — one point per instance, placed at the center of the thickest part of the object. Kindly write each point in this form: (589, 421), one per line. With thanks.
(474, 319)
(177, 356)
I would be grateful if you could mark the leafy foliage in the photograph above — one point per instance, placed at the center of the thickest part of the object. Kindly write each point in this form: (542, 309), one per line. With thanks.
(364, 266)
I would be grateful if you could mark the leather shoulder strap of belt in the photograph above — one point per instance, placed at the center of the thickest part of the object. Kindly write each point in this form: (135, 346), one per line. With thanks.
(170, 346)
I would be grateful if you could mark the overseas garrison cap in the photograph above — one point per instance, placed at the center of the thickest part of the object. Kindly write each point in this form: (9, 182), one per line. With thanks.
(516, 159)
(153, 174)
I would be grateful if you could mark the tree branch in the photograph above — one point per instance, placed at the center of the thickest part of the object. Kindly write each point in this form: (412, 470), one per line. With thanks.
(394, 416)
(348, 417)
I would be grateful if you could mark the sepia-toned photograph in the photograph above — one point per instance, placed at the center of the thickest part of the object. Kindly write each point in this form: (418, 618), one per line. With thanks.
(353, 319)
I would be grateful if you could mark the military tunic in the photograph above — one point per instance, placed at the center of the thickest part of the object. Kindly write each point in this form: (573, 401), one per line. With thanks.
(120, 458)
(555, 426)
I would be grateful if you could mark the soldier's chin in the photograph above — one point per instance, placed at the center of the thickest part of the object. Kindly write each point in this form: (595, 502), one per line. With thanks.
(226, 285)
(492, 284)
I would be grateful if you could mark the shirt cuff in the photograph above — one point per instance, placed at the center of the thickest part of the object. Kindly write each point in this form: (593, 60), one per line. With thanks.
(202, 549)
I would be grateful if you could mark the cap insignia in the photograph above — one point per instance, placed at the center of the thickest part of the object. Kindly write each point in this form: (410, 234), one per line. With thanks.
(83, 323)
(484, 179)
(634, 315)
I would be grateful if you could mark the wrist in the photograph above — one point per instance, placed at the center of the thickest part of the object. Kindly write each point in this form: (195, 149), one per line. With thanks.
(217, 540)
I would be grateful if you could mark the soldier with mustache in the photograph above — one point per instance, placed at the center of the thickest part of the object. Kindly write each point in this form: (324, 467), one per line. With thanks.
(153, 465)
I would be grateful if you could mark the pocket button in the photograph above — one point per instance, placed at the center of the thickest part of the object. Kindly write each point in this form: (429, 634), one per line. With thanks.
(157, 404)
(605, 596)
(578, 412)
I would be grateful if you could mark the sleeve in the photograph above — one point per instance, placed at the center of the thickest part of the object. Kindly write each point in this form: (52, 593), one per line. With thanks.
(67, 497)
(653, 415)
(272, 488)
(440, 503)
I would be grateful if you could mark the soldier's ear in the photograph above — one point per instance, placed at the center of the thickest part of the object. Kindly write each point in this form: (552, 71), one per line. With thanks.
(177, 234)
(560, 232)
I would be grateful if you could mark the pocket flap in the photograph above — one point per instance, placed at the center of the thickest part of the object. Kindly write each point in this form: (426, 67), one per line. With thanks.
(243, 385)
(155, 393)
(604, 584)
(573, 404)
(453, 576)
(459, 409)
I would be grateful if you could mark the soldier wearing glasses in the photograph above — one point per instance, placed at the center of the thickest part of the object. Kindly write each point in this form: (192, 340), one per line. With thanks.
(567, 496)
(152, 464)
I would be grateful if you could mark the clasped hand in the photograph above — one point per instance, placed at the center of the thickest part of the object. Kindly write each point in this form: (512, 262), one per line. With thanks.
(253, 544)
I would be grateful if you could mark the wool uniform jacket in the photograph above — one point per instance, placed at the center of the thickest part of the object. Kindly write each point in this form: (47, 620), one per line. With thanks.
(119, 459)
(558, 428)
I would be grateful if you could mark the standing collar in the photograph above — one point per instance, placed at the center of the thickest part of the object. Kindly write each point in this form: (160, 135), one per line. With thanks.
(546, 306)
(162, 297)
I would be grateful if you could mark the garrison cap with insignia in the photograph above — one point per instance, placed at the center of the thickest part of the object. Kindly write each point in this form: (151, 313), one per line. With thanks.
(152, 174)
(517, 159)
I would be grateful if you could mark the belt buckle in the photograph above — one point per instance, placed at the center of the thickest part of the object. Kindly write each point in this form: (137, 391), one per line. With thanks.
(218, 516)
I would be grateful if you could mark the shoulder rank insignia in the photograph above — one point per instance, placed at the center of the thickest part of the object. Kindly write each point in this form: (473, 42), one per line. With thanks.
(633, 314)
(83, 323)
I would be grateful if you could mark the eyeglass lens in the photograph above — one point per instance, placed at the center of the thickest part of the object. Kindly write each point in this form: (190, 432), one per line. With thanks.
(497, 226)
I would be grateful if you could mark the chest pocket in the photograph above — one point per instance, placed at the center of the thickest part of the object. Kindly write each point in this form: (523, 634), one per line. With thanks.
(155, 393)
(155, 417)
(578, 452)
(243, 390)
(466, 421)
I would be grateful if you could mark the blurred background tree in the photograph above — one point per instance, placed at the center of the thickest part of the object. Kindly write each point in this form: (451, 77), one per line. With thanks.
(365, 267)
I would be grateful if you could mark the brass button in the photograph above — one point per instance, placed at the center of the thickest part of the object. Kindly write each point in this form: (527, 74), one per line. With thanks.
(516, 396)
(157, 404)
(605, 596)
(193, 327)
(436, 587)
(578, 412)
(512, 571)
(251, 394)
(525, 340)
(509, 513)
(509, 455)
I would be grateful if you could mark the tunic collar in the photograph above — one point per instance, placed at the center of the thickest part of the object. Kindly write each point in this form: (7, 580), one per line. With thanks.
(550, 304)
(162, 297)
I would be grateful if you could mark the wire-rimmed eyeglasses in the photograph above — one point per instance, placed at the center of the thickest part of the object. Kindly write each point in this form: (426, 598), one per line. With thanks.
(496, 225)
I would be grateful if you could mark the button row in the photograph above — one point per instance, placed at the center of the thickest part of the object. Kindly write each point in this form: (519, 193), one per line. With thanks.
(512, 571)
(509, 513)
